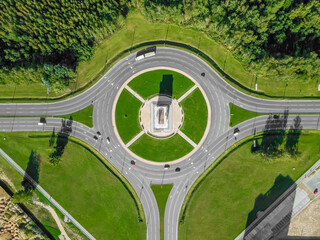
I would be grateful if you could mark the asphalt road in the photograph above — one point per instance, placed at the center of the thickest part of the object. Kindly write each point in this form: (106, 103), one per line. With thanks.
(220, 136)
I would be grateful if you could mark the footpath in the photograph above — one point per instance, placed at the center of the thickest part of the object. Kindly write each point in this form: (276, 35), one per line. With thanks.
(45, 194)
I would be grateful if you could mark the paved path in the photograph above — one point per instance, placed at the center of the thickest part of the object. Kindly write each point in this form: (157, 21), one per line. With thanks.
(134, 139)
(187, 139)
(187, 93)
(56, 218)
(134, 93)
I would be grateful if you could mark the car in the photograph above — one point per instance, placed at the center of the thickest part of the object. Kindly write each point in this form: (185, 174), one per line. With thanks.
(108, 140)
(236, 131)
(315, 191)
(177, 169)
(99, 134)
(166, 166)
(95, 137)
(133, 162)
(203, 74)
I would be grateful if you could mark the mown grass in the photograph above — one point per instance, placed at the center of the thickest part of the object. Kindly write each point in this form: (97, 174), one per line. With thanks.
(127, 116)
(136, 31)
(195, 115)
(161, 150)
(83, 116)
(238, 115)
(161, 193)
(82, 184)
(148, 84)
(15, 179)
(220, 205)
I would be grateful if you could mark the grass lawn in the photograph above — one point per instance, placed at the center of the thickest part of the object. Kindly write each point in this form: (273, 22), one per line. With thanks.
(222, 203)
(82, 184)
(83, 116)
(164, 81)
(238, 115)
(161, 150)
(161, 194)
(137, 30)
(127, 116)
(195, 115)
(13, 180)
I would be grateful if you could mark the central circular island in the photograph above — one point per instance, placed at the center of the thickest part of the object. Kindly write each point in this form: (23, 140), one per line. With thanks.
(161, 115)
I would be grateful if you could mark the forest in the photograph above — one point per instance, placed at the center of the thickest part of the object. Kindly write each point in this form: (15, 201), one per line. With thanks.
(277, 38)
(57, 34)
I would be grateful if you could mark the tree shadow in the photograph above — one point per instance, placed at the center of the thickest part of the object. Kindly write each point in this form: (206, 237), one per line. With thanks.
(278, 219)
(274, 134)
(293, 136)
(52, 138)
(33, 171)
(63, 135)
(62, 141)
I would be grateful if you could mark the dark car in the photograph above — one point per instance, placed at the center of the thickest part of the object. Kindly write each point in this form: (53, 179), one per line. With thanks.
(177, 169)
(315, 191)
(236, 131)
(99, 133)
(166, 166)
(133, 162)
(95, 137)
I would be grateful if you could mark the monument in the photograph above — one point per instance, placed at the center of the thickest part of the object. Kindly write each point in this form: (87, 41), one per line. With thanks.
(161, 116)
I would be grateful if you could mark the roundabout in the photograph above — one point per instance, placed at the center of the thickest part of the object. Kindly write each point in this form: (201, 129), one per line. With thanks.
(215, 137)
(158, 132)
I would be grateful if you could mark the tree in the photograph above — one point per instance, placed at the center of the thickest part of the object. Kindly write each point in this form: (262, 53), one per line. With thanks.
(54, 158)
(22, 196)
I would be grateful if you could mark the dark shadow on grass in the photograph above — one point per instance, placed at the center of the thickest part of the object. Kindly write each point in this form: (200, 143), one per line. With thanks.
(166, 85)
(278, 221)
(293, 136)
(274, 134)
(33, 171)
(164, 102)
(62, 141)
(140, 217)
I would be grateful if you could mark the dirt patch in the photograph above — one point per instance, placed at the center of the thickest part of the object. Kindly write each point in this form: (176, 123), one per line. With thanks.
(307, 222)
(4, 177)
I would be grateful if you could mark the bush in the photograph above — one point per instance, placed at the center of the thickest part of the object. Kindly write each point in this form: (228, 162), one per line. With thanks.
(57, 76)
(22, 196)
